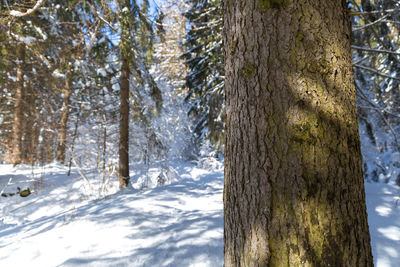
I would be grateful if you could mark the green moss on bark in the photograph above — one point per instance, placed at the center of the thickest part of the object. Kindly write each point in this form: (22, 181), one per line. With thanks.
(248, 70)
(266, 4)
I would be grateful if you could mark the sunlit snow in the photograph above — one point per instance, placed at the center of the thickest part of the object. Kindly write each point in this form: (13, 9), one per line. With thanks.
(63, 223)
(174, 225)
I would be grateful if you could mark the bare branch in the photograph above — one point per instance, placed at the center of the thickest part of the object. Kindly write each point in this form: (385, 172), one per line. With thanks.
(97, 14)
(361, 60)
(142, 17)
(379, 111)
(387, 11)
(370, 24)
(376, 72)
(18, 14)
(6, 3)
(79, 166)
(391, 21)
(375, 50)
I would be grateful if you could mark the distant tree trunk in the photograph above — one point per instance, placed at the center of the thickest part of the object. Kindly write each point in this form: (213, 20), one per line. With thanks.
(16, 142)
(294, 189)
(29, 124)
(47, 138)
(62, 133)
(124, 126)
(74, 135)
(125, 48)
(104, 148)
(35, 138)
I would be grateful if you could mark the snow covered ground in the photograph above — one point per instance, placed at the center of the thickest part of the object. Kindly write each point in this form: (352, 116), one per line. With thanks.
(383, 206)
(64, 223)
(180, 224)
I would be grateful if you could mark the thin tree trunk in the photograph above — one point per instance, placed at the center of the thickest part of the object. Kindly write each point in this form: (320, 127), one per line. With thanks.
(73, 144)
(29, 123)
(62, 133)
(16, 143)
(124, 126)
(104, 147)
(294, 189)
(98, 152)
(35, 139)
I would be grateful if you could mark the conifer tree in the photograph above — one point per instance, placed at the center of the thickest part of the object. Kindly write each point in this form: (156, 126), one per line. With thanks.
(125, 18)
(205, 76)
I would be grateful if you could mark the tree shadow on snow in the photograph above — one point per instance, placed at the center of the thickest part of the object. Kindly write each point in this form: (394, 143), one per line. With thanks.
(176, 233)
(384, 224)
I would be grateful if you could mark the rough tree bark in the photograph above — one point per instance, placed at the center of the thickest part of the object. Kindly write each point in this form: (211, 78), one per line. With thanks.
(62, 132)
(17, 131)
(294, 193)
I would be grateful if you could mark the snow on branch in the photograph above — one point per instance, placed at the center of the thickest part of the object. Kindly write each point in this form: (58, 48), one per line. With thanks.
(19, 14)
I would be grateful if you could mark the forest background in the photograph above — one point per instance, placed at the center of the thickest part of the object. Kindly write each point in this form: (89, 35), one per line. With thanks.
(62, 76)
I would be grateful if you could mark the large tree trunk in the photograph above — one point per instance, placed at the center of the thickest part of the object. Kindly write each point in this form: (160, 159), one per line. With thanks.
(62, 132)
(125, 50)
(294, 190)
(16, 142)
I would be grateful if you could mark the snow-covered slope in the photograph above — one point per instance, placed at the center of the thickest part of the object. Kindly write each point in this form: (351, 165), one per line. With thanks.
(180, 224)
